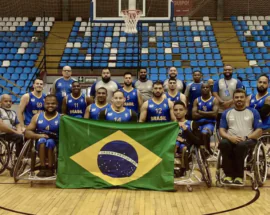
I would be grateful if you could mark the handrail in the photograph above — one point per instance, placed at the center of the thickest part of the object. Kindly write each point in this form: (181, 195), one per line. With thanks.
(10, 91)
(12, 83)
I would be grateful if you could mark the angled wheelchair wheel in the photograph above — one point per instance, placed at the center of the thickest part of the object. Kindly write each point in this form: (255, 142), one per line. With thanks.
(260, 164)
(203, 166)
(12, 157)
(23, 164)
(4, 155)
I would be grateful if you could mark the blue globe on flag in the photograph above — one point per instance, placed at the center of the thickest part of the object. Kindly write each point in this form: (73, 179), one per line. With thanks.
(118, 159)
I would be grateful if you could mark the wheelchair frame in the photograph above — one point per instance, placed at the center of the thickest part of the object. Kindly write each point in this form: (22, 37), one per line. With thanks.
(252, 168)
(198, 161)
(4, 154)
(28, 163)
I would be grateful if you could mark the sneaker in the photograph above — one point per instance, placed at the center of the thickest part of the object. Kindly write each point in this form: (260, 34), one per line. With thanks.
(41, 173)
(238, 180)
(227, 180)
(48, 173)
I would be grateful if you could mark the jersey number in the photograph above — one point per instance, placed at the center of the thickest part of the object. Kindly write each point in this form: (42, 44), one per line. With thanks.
(117, 119)
(39, 104)
(76, 105)
(158, 110)
(47, 128)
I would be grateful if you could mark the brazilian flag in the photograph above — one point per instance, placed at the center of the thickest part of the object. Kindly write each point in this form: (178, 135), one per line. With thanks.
(99, 154)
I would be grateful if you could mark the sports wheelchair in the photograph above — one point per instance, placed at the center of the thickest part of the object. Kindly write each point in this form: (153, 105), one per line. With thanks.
(198, 170)
(28, 164)
(255, 167)
(7, 155)
(265, 138)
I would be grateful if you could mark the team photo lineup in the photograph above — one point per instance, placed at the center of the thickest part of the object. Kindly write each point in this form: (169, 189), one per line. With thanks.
(144, 107)
(198, 107)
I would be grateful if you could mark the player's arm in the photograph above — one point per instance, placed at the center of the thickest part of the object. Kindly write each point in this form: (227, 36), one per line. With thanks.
(93, 92)
(53, 90)
(248, 100)
(183, 98)
(18, 126)
(29, 132)
(64, 105)
(265, 110)
(215, 92)
(6, 129)
(102, 115)
(140, 100)
(195, 113)
(173, 118)
(23, 103)
(210, 114)
(187, 93)
(143, 114)
(87, 112)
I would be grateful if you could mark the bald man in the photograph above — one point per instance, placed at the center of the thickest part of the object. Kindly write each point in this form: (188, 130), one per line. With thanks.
(62, 86)
(10, 128)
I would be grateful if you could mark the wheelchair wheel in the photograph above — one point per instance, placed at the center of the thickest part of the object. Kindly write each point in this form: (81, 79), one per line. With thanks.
(260, 164)
(4, 155)
(219, 170)
(203, 166)
(24, 161)
(12, 158)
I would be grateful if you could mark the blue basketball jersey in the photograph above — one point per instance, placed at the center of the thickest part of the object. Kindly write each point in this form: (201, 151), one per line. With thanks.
(123, 116)
(48, 126)
(131, 99)
(95, 110)
(258, 104)
(62, 88)
(34, 105)
(158, 112)
(76, 106)
(194, 91)
(173, 98)
(206, 106)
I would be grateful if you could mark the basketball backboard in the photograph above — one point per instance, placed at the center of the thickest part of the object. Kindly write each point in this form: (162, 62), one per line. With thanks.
(152, 10)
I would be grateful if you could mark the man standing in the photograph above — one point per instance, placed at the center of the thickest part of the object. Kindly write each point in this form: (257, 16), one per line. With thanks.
(204, 111)
(75, 103)
(93, 110)
(240, 127)
(261, 101)
(144, 85)
(31, 103)
(157, 109)
(133, 96)
(181, 86)
(10, 126)
(62, 86)
(173, 94)
(223, 90)
(117, 112)
(106, 82)
(193, 91)
(44, 128)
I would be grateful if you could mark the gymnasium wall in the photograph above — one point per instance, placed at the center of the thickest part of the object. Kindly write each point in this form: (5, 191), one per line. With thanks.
(81, 8)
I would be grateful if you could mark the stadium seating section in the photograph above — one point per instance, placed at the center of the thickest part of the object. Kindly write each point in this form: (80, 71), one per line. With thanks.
(20, 45)
(188, 45)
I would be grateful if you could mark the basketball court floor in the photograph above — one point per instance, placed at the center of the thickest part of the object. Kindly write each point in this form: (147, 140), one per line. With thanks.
(45, 198)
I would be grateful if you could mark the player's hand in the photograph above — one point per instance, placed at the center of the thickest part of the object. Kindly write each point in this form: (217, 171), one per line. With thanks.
(236, 139)
(227, 104)
(23, 129)
(43, 136)
(182, 125)
(18, 132)
(180, 139)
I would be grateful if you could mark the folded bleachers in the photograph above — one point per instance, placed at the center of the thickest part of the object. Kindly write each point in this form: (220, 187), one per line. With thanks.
(21, 41)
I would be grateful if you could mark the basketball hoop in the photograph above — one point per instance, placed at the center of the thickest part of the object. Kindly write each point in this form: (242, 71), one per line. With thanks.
(131, 18)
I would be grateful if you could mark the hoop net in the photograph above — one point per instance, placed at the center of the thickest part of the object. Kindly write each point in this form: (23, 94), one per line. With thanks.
(131, 18)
